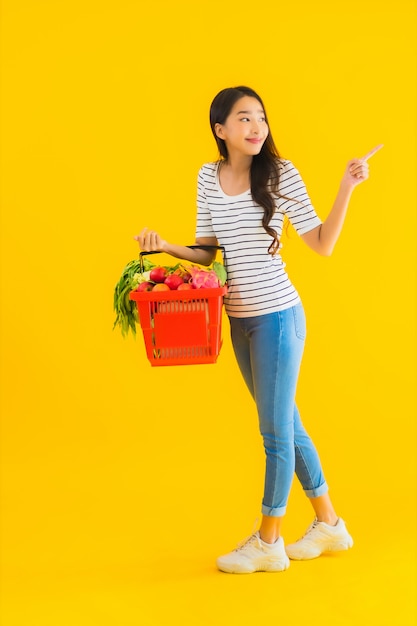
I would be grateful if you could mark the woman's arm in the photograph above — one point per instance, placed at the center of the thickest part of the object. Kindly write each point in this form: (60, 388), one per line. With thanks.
(323, 238)
(149, 240)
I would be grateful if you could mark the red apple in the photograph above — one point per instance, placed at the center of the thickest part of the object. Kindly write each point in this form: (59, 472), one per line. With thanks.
(173, 281)
(145, 286)
(158, 274)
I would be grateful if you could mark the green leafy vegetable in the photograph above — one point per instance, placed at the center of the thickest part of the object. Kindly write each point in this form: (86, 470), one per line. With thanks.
(126, 310)
(220, 272)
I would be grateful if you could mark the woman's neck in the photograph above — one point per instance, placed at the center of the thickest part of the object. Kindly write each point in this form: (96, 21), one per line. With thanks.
(238, 164)
(234, 176)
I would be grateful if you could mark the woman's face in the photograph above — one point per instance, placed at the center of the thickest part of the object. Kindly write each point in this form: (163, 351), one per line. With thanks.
(245, 129)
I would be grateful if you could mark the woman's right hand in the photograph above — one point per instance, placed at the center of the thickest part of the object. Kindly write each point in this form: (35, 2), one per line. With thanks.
(150, 241)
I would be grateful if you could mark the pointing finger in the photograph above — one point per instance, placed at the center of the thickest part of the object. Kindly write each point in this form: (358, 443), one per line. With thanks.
(372, 152)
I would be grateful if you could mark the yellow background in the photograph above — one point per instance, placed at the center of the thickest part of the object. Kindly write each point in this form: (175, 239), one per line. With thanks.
(121, 483)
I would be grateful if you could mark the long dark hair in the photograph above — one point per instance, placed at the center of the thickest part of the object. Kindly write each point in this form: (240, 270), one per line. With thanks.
(264, 171)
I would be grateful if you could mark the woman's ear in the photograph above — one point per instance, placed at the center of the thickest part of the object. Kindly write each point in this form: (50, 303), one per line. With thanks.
(218, 129)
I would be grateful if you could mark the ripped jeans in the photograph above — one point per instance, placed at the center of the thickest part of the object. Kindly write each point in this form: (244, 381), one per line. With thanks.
(268, 350)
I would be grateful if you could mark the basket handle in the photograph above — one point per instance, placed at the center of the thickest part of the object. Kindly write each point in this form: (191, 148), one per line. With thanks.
(144, 253)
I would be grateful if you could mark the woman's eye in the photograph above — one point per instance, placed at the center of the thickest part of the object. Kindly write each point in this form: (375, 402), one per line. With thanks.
(244, 119)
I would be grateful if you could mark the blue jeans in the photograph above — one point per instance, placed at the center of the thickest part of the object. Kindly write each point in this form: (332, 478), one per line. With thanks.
(269, 349)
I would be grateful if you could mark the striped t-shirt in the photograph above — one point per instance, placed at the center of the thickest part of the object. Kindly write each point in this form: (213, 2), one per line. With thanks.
(257, 282)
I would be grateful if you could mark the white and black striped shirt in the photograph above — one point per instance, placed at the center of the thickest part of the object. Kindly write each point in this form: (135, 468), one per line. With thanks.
(257, 282)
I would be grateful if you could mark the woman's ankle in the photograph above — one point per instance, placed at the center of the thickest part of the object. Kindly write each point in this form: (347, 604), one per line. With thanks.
(330, 520)
(268, 538)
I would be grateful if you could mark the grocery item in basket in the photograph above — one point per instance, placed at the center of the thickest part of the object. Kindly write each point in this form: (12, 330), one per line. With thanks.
(150, 277)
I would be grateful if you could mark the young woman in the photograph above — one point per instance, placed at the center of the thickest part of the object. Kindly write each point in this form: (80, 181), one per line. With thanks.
(242, 201)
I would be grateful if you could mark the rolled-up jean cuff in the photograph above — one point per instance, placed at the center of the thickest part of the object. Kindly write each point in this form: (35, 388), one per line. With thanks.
(319, 491)
(274, 512)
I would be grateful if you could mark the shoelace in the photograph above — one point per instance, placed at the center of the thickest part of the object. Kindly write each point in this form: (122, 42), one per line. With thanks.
(246, 542)
(312, 526)
(249, 539)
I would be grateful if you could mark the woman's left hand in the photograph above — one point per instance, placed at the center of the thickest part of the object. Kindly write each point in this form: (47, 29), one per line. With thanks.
(357, 170)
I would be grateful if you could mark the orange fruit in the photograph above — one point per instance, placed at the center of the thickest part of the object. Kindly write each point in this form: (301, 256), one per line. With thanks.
(161, 287)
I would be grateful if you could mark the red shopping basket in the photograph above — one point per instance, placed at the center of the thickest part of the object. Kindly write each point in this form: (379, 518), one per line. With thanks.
(181, 327)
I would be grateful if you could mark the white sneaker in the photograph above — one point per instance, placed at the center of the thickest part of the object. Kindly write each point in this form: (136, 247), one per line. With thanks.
(320, 537)
(254, 555)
